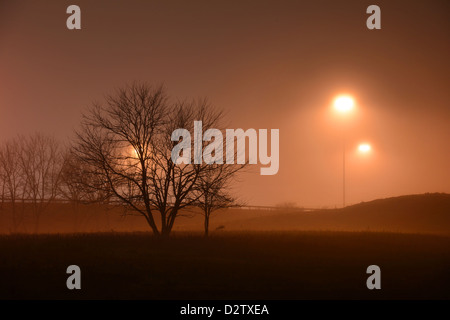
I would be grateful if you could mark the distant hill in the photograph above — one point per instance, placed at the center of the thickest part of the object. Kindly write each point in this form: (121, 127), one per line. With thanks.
(428, 212)
(424, 213)
(438, 202)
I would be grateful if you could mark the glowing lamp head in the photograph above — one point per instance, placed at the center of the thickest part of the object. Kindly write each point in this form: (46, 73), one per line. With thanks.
(364, 148)
(344, 103)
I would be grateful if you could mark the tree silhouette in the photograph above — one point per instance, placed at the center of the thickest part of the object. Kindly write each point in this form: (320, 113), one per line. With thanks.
(125, 146)
(214, 191)
(41, 163)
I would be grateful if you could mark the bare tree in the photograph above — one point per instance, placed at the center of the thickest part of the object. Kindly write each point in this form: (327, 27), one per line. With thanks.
(75, 176)
(41, 165)
(114, 145)
(214, 191)
(72, 189)
(177, 186)
(14, 184)
(126, 144)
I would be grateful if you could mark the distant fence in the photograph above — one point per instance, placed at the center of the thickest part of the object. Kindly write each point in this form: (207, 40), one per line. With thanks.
(278, 208)
(117, 202)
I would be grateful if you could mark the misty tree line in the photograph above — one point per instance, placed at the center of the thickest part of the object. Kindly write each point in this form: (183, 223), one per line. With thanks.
(122, 155)
(35, 171)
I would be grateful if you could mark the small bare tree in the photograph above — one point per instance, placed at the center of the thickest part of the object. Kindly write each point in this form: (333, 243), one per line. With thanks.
(41, 165)
(75, 176)
(72, 188)
(213, 188)
(14, 184)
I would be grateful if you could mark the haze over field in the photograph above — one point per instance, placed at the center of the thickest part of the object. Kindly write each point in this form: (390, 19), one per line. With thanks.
(271, 65)
(424, 214)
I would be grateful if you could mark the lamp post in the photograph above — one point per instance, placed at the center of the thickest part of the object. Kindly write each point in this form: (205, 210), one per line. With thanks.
(343, 105)
(343, 173)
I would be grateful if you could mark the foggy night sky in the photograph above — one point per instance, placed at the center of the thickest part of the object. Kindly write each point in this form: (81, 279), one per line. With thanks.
(270, 65)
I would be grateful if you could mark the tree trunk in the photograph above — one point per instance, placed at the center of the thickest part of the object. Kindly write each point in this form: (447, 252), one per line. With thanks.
(206, 224)
(165, 232)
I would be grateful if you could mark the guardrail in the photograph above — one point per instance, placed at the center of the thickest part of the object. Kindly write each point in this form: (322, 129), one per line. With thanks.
(116, 202)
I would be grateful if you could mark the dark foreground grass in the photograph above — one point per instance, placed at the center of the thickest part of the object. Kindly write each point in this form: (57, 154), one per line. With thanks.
(291, 265)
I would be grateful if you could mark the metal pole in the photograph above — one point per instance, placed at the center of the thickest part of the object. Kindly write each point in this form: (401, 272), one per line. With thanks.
(343, 173)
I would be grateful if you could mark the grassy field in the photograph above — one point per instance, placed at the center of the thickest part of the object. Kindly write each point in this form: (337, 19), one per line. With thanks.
(230, 265)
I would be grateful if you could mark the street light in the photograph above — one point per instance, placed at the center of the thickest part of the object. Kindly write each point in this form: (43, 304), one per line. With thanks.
(364, 148)
(343, 104)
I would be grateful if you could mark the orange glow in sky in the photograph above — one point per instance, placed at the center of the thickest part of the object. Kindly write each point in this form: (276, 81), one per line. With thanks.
(323, 79)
